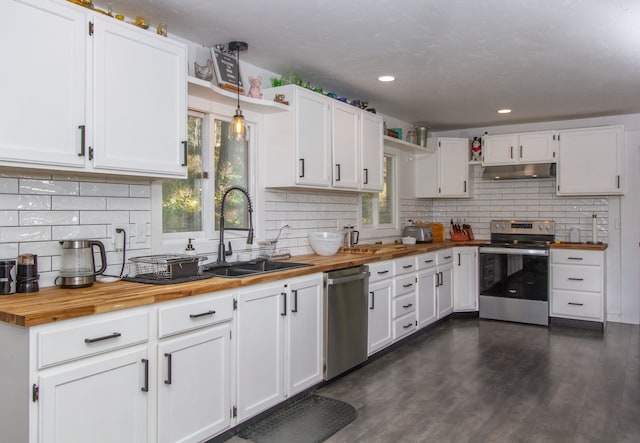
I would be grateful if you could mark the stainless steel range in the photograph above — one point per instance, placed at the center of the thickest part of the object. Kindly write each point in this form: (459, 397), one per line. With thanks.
(514, 271)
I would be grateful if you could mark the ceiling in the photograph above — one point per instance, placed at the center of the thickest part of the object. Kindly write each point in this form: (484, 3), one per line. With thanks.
(456, 62)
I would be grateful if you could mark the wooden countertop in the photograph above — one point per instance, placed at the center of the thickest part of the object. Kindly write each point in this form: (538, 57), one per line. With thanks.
(54, 304)
(582, 246)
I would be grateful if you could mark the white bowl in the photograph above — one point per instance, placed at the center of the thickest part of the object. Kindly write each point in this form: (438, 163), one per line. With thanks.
(325, 242)
(408, 240)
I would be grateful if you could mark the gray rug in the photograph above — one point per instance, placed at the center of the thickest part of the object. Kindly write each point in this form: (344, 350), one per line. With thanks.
(313, 419)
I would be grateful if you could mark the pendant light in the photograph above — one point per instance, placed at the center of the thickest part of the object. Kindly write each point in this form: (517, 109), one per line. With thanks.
(238, 127)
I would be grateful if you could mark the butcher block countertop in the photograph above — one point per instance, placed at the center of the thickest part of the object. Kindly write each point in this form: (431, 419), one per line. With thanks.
(581, 246)
(54, 304)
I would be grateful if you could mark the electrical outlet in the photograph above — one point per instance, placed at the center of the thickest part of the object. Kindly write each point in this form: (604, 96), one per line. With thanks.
(118, 239)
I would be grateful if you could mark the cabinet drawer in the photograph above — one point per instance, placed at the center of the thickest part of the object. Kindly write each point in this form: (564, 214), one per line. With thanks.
(576, 278)
(185, 316)
(404, 325)
(404, 265)
(89, 336)
(404, 305)
(443, 257)
(577, 304)
(576, 257)
(380, 271)
(405, 284)
(425, 261)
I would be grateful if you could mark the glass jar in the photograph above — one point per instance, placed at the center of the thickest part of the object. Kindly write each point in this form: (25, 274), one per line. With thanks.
(412, 136)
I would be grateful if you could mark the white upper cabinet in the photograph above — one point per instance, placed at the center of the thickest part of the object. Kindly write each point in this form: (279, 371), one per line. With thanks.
(590, 161)
(43, 83)
(88, 93)
(321, 143)
(445, 173)
(529, 147)
(372, 152)
(139, 112)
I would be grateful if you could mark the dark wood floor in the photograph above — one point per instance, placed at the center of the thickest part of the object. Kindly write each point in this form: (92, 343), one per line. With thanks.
(487, 381)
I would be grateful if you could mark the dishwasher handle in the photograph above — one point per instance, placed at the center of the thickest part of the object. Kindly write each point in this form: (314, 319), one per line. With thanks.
(350, 278)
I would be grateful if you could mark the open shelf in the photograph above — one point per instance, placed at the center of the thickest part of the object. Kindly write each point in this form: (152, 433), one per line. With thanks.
(405, 146)
(207, 90)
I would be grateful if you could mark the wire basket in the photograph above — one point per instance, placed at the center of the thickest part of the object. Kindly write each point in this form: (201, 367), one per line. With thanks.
(167, 266)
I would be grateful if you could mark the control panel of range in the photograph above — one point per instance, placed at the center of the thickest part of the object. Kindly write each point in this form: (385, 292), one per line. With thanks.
(546, 227)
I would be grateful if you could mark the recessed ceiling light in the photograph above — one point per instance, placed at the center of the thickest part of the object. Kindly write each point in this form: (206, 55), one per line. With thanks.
(386, 78)
(504, 111)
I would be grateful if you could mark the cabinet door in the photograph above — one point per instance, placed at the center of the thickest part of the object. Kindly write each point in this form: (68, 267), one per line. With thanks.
(313, 139)
(590, 161)
(260, 349)
(371, 152)
(43, 83)
(445, 292)
(537, 147)
(465, 279)
(139, 109)
(453, 167)
(379, 330)
(304, 336)
(345, 135)
(98, 400)
(194, 385)
(499, 150)
(426, 297)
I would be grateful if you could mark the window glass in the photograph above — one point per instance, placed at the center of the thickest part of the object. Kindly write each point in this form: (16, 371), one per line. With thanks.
(182, 198)
(379, 209)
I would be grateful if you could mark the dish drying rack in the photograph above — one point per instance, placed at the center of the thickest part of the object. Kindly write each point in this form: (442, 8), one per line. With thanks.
(167, 266)
(267, 248)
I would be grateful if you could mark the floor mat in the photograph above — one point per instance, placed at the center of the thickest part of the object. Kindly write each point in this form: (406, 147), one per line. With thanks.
(313, 419)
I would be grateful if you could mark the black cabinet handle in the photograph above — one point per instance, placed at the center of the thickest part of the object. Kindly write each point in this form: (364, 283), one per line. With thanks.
(145, 388)
(428, 261)
(301, 175)
(383, 272)
(447, 257)
(105, 337)
(366, 176)
(407, 285)
(407, 305)
(373, 300)
(576, 304)
(458, 259)
(202, 314)
(441, 279)
(284, 304)
(408, 325)
(337, 172)
(83, 141)
(294, 292)
(465, 186)
(576, 279)
(186, 153)
(520, 151)
(169, 361)
(407, 267)
(574, 258)
(511, 151)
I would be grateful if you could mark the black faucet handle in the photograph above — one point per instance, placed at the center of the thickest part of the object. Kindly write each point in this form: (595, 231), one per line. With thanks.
(229, 251)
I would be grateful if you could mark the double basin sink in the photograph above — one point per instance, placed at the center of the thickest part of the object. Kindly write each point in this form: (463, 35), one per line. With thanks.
(249, 268)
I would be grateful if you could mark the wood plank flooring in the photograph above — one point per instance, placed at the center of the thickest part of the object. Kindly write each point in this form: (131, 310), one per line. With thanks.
(471, 380)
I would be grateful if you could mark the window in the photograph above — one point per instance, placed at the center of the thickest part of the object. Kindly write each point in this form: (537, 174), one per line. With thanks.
(378, 210)
(192, 205)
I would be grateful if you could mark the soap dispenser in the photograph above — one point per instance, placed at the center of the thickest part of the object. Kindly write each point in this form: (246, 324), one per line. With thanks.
(190, 250)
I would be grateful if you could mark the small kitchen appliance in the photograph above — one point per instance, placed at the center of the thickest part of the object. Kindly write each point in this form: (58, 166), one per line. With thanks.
(422, 234)
(351, 236)
(27, 273)
(514, 271)
(6, 279)
(78, 267)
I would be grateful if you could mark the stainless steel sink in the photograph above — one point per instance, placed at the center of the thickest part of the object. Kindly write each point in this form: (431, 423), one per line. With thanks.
(252, 267)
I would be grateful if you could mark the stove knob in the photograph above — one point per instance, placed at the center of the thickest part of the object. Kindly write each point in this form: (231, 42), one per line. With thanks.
(548, 227)
(540, 228)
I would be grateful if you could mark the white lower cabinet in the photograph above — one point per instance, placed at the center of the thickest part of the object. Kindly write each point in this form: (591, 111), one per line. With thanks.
(578, 285)
(404, 297)
(101, 399)
(426, 280)
(444, 283)
(194, 363)
(380, 334)
(465, 279)
(279, 331)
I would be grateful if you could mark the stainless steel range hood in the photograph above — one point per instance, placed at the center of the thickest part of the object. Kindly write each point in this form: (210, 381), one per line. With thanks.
(511, 172)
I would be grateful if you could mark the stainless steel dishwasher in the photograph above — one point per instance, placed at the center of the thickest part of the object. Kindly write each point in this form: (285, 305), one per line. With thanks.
(345, 319)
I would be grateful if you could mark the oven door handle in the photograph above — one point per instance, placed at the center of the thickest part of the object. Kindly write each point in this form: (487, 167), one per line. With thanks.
(512, 251)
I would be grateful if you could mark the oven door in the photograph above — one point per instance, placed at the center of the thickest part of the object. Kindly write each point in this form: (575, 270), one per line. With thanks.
(514, 284)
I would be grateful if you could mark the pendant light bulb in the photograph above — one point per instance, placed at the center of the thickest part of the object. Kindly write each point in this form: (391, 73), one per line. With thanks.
(238, 127)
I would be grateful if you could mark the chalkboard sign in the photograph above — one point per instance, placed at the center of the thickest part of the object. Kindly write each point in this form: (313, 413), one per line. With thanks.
(226, 68)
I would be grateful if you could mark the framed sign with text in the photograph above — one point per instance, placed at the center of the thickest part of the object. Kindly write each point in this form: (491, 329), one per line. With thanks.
(226, 68)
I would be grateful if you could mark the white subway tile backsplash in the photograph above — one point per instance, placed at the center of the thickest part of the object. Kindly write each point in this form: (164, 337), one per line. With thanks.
(78, 232)
(24, 234)
(140, 191)
(104, 189)
(78, 203)
(24, 202)
(9, 218)
(9, 250)
(8, 185)
(128, 204)
(33, 218)
(48, 187)
(103, 217)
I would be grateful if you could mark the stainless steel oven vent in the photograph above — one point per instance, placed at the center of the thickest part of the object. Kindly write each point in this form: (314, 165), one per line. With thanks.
(511, 172)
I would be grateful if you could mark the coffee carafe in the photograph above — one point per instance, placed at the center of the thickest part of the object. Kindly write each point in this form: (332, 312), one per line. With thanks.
(351, 236)
(78, 267)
